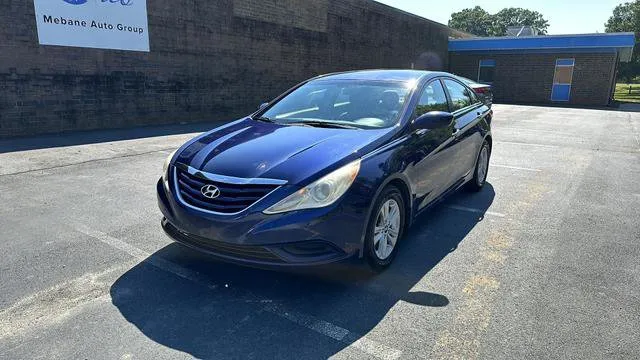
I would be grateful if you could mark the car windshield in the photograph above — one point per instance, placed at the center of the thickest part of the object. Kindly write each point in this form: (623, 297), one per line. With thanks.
(343, 103)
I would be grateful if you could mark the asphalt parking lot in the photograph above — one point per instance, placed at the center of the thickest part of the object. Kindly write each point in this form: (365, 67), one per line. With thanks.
(543, 263)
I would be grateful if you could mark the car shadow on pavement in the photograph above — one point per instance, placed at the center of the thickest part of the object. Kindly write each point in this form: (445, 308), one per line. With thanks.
(101, 136)
(237, 312)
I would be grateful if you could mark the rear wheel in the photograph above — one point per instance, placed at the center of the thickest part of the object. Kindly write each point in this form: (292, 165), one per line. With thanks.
(482, 168)
(385, 229)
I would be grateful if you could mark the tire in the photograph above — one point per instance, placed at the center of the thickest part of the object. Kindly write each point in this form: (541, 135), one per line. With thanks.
(479, 174)
(380, 258)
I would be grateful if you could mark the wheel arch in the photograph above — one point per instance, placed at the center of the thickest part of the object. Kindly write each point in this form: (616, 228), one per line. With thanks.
(400, 181)
(406, 196)
(489, 139)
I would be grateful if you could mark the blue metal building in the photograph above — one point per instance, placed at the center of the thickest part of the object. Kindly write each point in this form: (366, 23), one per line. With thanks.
(574, 69)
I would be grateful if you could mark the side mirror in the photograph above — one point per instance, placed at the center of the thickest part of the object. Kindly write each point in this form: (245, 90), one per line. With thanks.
(433, 120)
(262, 106)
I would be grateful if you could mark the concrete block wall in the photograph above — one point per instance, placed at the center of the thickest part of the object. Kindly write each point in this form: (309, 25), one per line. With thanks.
(528, 78)
(209, 60)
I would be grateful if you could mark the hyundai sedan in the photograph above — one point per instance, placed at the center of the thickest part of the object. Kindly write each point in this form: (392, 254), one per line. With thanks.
(337, 167)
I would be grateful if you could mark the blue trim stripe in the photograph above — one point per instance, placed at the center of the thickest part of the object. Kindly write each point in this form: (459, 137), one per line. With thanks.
(541, 51)
(565, 62)
(560, 92)
(613, 40)
(488, 63)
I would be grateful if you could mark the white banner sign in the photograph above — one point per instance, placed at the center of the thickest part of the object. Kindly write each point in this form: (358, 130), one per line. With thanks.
(104, 24)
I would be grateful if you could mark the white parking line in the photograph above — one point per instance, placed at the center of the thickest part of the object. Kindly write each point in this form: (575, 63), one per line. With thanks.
(51, 306)
(113, 242)
(634, 130)
(360, 342)
(539, 130)
(515, 168)
(474, 210)
(526, 144)
(335, 332)
(142, 255)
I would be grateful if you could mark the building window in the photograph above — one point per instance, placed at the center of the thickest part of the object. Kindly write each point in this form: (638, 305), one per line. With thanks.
(486, 70)
(562, 79)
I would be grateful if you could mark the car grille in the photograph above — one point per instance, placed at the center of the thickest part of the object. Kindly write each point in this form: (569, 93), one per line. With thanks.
(246, 252)
(233, 198)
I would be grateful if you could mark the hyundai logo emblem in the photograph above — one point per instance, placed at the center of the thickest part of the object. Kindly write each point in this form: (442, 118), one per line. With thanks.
(210, 191)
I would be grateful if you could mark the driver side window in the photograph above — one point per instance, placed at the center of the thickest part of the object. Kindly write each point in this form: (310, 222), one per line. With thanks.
(433, 98)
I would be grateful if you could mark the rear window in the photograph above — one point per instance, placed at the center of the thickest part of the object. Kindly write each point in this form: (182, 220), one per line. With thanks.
(461, 97)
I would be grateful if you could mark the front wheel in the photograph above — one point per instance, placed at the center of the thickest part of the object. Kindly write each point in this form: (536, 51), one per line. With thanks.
(482, 168)
(386, 227)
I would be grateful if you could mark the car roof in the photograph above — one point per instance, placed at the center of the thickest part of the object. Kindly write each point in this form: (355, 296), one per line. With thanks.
(466, 80)
(380, 74)
(471, 83)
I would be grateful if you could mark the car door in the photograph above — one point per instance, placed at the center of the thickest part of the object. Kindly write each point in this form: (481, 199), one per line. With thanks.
(430, 151)
(467, 110)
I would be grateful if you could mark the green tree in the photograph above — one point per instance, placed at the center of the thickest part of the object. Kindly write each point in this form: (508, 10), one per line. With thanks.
(518, 17)
(473, 20)
(626, 18)
(479, 22)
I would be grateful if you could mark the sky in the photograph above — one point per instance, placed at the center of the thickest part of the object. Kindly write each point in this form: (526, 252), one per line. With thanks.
(564, 16)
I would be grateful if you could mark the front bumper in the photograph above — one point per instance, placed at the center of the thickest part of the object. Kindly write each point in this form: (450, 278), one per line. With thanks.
(300, 238)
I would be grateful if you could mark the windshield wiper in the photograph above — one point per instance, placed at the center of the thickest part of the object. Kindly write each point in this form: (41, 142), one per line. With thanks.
(263, 119)
(324, 124)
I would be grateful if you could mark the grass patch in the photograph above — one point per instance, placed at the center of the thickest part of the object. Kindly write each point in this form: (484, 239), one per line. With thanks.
(622, 93)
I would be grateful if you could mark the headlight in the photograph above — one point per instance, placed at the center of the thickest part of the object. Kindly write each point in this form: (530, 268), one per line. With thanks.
(321, 193)
(165, 168)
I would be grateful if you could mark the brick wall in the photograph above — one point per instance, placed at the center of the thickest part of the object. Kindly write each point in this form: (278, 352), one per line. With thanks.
(209, 60)
(528, 78)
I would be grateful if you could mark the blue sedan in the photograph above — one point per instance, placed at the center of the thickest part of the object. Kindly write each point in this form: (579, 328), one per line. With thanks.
(337, 167)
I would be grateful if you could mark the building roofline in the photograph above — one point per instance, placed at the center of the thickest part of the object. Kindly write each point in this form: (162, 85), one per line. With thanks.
(408, 13)
(622, 42)
(543, 36)
(422, 18)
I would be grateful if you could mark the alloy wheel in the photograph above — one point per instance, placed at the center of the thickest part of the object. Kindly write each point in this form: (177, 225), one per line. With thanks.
(483, 165)
(387, 229)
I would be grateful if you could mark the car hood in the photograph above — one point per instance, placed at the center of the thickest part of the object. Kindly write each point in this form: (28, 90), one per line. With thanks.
(252, 149)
